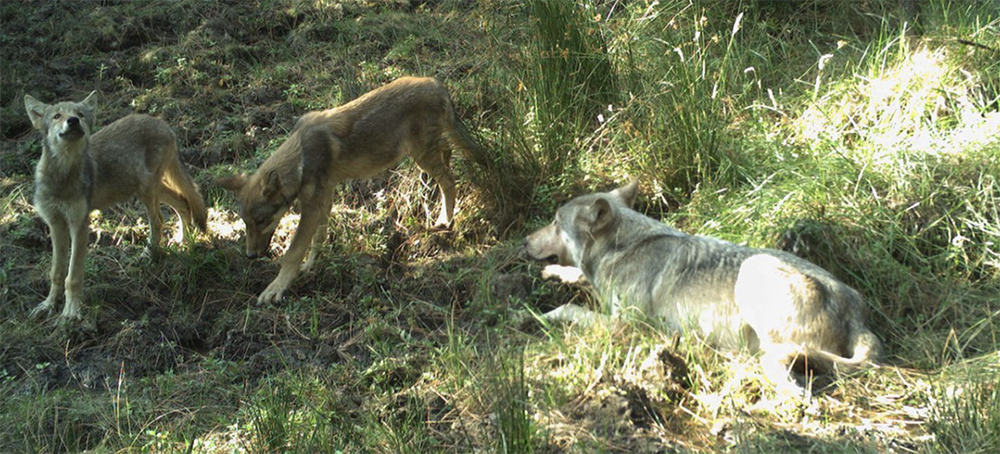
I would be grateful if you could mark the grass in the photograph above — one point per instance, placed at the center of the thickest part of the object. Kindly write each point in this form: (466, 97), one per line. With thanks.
(965, 409)
(855, 134)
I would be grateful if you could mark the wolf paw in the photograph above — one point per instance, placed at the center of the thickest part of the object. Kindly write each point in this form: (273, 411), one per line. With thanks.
(76, 323)
(70, 313)
(442, 223)
(565, 274)
(44, 309)
(272, 294)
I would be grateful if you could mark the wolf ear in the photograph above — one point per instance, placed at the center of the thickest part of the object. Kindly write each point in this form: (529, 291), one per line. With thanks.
(627, 193)
(36, 111)
(232, 184)
(90, 103)
(600, 214)
(272, 183)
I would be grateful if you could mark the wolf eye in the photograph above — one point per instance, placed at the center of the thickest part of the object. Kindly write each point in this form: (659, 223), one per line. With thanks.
(56, 116)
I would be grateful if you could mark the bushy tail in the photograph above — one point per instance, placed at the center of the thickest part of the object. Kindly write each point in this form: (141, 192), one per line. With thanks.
(866, 350)
(178, 180)
(460, 138)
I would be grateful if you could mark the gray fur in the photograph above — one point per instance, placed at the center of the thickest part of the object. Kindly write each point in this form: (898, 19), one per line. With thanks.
(769, 300)
(77, 173)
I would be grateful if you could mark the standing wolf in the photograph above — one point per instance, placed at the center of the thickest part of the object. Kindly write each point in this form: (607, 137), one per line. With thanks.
(356, 140)
(79, 172)
(786, 307)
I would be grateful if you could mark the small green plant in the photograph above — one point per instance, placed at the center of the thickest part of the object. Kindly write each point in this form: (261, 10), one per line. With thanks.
(270, 416)
(965, 412)
(506, 387)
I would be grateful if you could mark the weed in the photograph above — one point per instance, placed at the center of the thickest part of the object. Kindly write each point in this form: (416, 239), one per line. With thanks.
(514, 431)
(965, 411)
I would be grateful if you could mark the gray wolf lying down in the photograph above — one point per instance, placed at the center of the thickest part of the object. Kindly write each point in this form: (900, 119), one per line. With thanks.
(792, 311)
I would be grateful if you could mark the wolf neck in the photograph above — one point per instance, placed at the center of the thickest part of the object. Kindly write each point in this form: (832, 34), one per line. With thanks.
(630, 233)
(65, 173)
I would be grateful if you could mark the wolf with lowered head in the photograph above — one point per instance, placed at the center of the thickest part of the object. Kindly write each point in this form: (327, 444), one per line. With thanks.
(412, 116)
(790, 310)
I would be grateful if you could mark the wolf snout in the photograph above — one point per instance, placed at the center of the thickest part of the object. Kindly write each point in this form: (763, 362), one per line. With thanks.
(531, 251)
(526, 249)
(552, 259)
(254, 255)
(524, 252)
(73, 128)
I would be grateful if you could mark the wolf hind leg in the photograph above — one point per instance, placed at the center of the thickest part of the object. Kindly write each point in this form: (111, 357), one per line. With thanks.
(776, 364)
(771, 296)
(434, 158)
(152, 203)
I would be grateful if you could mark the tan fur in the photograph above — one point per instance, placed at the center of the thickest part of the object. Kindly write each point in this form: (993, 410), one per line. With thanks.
(135, 156)
(412, 116)
(792, 311)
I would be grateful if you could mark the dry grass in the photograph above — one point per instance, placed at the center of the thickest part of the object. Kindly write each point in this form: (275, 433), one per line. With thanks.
(819, 126)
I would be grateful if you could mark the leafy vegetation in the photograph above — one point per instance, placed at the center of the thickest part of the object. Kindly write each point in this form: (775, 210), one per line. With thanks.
(863, 136)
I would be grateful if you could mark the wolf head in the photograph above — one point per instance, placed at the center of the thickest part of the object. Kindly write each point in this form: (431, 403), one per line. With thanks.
(65, 125)
(577, 223)
(262, 205)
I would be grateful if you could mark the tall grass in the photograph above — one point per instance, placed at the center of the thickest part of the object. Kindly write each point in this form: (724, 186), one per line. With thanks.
(270, 415)
(563, 79)
(506, 387)
(684, 65)
(569, 79)
(965, 411)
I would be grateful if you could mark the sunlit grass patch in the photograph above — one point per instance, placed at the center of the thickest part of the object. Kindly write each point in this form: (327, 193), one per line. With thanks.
(965, 408)
(909, 101)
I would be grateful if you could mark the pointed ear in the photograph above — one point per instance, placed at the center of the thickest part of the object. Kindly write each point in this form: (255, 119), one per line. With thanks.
(232, 184)
(36, 111)
(90, 102)
(600, 214)
(627, 193)
(272, 183)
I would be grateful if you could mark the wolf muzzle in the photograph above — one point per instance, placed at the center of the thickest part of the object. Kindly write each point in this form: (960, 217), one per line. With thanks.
(73, 129)
(254, 255)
